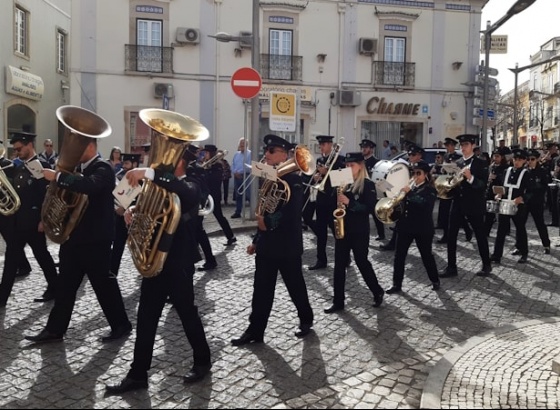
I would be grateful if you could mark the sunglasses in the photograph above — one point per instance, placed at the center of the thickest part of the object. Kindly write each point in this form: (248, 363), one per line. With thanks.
(272, 150)
(417, 173)
(48, 145)
(532, 159)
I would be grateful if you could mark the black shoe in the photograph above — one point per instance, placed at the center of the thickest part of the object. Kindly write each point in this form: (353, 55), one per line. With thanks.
(394, 289)
(3, 303)
(547, 250)
(468, 235)
(119, 332)
(436, 285)
(516, 252)
(126, 385)
(46, 297)
(485, 271)
(245, 339)
(449, 272)
(45, 337)
(378, 299)
(304, 330)
(333, 309)
(495, 259)
(523, 259)
(553, 224)
(230, 241)
(207, 266)
(22, 272)
(236, 215)
(318, 265)
(387, 247)
(442, 240)
(379, 238)
(197, 373)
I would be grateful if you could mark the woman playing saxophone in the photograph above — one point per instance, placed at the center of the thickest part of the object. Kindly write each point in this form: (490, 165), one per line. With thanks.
(358, 200)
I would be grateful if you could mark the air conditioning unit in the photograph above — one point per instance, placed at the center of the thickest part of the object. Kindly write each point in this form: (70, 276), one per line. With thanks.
(349, 98)
(161, 89)
(187, 35)
(367, 46)
(245, 39)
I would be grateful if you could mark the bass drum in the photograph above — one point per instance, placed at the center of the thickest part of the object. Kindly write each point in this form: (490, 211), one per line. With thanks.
(395, 174)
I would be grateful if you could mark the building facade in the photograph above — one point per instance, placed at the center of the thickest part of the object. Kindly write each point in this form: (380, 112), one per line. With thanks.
(35, 71)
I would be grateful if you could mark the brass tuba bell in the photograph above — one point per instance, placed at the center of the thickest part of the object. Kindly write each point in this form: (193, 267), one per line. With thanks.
(63, 209)
(158, 211)
(9, 199)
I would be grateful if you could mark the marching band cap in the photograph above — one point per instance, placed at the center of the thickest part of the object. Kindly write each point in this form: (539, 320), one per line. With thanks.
(210, 148)
(415, 149)
(368, 143)
(422, 165)
(515, 147)
(503, 151)
(450, 141)
(324, 138)
(131, 157)
(272, 140)
(440, 152)
(354, 157)
(520, 153)
(533, 153)
(23, 137)
(191, 153)
(471, 138)
(550, 145)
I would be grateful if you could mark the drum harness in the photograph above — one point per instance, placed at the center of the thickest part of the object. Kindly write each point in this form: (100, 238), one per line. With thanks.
(511, 187)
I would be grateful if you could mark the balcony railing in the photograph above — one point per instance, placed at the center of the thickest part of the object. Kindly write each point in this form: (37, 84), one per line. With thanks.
(280, 67)
(150, 59)
(394, 74)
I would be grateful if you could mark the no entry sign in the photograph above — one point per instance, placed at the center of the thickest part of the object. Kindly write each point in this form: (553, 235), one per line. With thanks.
(246, 82)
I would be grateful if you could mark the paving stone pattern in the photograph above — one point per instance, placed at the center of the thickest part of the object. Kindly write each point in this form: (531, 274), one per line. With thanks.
(360, 358)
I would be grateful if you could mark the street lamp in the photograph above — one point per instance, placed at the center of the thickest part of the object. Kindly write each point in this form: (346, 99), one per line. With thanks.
(518, 7)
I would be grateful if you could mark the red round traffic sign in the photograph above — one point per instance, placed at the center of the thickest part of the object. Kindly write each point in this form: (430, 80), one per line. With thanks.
(246, 82)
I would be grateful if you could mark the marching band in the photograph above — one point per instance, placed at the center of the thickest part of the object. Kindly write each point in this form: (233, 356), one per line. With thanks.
(164, 226)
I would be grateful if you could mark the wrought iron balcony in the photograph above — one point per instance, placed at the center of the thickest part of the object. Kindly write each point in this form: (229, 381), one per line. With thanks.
(389, 73)
(280, 67)
(150, 59)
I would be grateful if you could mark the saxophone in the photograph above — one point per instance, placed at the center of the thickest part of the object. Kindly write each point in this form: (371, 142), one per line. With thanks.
(339, 214)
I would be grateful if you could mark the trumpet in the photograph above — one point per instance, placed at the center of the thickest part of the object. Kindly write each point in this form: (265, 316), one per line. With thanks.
(219, 155)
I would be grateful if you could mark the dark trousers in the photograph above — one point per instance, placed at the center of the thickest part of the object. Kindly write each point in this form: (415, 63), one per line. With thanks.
(7, 231)
(358, 243)
(445, 211)
(14, 248)
(225, 184)
(239, 198)
(264, 287)
(224, 224)
(308, 211)
(477, 223)
(519, 220)
(536, 209)
(424, 244)
(119, 243)
(553, 195)
(177, 284)
(203, 241)
(379, 226)
(320, 227)
(77, 260)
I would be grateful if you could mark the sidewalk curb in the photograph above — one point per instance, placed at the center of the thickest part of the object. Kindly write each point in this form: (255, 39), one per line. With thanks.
(433, 388)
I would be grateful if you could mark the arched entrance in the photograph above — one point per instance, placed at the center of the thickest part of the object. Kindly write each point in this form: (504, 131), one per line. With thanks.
(21, 118)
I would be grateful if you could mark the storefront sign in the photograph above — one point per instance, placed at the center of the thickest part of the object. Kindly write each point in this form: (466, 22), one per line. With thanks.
(24, 84)
(282, 112)
(303, 92)
(378, 105)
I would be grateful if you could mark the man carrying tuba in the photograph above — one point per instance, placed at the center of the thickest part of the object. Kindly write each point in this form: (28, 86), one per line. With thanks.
(278, 246)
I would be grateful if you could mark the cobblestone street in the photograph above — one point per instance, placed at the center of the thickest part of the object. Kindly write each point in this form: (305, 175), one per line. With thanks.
(360, 358)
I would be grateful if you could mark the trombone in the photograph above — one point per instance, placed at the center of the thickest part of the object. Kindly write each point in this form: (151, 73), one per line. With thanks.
(219, 155)
(247, 182)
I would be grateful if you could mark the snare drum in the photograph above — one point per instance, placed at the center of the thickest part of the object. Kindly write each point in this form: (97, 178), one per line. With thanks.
(396, 174)
(492, 207)
(507, 207)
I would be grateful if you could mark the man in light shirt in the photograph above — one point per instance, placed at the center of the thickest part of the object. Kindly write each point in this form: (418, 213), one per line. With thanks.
(240, 171)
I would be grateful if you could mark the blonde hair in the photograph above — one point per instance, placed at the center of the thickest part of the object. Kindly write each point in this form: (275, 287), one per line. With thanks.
(358, 185)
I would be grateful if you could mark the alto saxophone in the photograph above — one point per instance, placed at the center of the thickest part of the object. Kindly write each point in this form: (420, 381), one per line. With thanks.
(339, 214)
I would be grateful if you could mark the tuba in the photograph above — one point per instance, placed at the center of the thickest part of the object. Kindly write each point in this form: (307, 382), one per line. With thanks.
(158, 211)
(274, 194)
(63, 209)
(389, 210)
(9, 199)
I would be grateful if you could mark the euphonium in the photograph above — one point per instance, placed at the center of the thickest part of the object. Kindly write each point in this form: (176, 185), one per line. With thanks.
(446, 183)
(158, 211)
(273, 194)
(63, 209)
(9, 199)
(389, 210)
(339, 214)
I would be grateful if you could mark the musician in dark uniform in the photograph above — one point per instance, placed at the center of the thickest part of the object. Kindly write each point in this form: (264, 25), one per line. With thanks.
(536, 190)
(550, 163)
(214, 177)
(368, 150)
(495, 178)
(444, 209)
(326, 200)
(516, 182)
(88, 249)
(129, 161)
(27, 225)
(175, 281)
(278, 245)
(469, 201)
(7, 227)
(358, 200)
(416, 224)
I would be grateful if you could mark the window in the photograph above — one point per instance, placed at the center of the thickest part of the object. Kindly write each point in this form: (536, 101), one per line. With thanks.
(395, 52)
(149, 41)
(20, 27)
(60, 51)
(280, 50)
